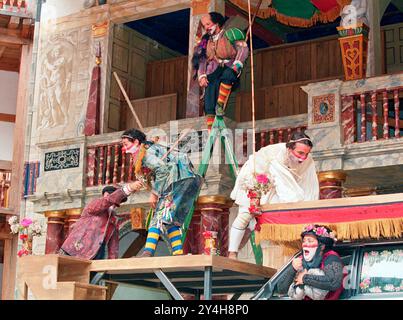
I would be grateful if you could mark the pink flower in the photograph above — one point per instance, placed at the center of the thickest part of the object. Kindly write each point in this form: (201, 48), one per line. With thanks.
(26, 222)
(320, 231)
(309, 227)
(262, 179)
(22, 252)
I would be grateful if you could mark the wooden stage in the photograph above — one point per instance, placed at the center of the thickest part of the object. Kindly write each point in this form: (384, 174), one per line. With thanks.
(191, 274)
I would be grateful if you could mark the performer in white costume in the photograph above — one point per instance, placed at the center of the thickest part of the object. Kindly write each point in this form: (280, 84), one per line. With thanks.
(291, 171)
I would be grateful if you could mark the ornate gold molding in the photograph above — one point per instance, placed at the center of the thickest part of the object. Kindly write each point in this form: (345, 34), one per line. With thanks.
(222, 200)
(74, 212)
(338, 175)
(55, 214)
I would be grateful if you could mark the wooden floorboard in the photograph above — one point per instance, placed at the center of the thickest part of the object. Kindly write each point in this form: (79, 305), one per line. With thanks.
(179, 264)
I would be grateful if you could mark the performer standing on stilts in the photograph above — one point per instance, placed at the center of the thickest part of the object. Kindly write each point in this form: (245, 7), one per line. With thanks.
(218, 59)
(174, 186)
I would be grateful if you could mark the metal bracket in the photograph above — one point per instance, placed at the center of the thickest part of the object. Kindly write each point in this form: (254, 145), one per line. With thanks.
(168, 284)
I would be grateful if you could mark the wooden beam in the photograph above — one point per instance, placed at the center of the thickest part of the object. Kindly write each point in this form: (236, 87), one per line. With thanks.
(135, 10)
(5, 116)
(14, 22)
(27, 30)
(258, 30)
(179, 263)
(12, 39)
(5, 165)
(341, 202)
(19, 129)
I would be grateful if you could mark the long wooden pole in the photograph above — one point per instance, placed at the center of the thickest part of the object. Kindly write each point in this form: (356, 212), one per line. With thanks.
(184, 133)
(128, 101)
(253, 20)
(253, 90)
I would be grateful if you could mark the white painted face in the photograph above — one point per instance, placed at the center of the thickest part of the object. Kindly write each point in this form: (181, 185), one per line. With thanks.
(309, 246)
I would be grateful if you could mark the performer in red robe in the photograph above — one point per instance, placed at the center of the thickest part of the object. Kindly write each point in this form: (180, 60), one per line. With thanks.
(96, 232)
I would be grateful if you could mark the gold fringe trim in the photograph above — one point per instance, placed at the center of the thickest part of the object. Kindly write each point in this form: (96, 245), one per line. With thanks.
(367, 229)
(262, 13)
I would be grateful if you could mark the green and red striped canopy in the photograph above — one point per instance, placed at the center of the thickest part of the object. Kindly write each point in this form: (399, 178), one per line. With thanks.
(297, 13)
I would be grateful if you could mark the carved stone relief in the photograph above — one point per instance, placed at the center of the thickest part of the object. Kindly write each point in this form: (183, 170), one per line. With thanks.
(55, 84)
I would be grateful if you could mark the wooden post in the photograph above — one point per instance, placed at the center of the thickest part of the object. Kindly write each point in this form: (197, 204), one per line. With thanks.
(397, 108)
(363, 118)
(55, 230)
(385, 115)
(374, 116)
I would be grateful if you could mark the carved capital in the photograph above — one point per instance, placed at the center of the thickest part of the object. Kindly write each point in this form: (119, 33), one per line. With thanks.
(222, 201)
(338, 175)
(57, 214)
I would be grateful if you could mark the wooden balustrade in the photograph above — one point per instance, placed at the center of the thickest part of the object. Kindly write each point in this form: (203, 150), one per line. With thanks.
(14, 5)
(270, 136)
(373, 115)
(108, 163)
(5, 182)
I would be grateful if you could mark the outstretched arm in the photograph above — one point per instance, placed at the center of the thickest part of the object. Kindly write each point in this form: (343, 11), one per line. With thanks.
(99, 205)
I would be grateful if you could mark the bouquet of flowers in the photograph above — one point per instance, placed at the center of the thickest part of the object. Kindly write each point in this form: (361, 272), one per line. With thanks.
(256, 187)
(28, 229)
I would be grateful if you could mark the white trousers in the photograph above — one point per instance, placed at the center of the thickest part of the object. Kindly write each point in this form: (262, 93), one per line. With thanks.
(242, 221)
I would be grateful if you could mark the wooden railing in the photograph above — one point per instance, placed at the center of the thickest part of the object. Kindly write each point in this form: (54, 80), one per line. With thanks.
(152, 111)
(14, 5)
(108, 164)
(372, 115)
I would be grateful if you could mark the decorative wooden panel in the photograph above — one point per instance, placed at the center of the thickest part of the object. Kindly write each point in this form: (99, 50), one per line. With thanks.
(152, 111)
(394, 47)
(131, 53)
(272, 102)
(279, 74)
(166, 77)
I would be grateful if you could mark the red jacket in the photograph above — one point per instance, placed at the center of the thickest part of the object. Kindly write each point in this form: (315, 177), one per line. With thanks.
(95, 226)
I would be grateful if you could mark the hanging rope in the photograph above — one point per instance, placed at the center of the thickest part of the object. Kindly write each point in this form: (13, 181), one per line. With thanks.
(253, 89)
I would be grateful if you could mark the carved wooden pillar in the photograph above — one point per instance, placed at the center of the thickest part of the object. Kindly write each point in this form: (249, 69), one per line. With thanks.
(193, 236)
(214, 216)
(331, 184)
(55, 231)
(72, 216)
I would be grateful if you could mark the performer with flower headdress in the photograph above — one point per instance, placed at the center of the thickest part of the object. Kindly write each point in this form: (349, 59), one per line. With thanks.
(218, 60)
(282, 172)
(173, 185)
(318, 273)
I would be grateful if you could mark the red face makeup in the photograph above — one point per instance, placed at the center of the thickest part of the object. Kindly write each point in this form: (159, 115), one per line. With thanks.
(301, 151)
